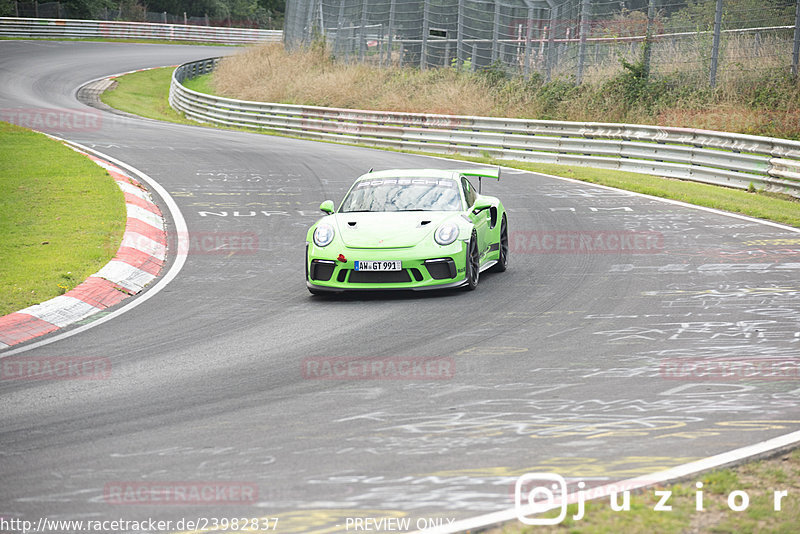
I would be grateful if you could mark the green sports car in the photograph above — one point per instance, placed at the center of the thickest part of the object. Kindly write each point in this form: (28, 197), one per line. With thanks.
(408, 229)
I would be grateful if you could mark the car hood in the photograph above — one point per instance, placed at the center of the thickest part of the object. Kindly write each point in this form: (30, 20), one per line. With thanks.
(401, 229)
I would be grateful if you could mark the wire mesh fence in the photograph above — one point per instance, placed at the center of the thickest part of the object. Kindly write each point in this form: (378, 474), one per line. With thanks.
(556, 39)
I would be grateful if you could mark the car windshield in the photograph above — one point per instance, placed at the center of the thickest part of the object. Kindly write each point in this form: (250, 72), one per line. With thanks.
(403, 194)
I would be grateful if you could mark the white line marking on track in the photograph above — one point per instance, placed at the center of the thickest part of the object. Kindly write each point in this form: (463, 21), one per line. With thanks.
(181, 253)
(675, 473)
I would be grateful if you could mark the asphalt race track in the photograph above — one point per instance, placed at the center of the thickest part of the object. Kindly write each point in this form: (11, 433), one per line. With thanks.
(566, 363)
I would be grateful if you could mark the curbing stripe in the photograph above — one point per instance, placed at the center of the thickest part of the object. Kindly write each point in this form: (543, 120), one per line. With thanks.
(135, 200)
(139, 259)
(144, 244)
(135, 212)
(61, 311)
(142, 228)
(125, 275)
(99, 292)
(131, 189)
(18, 327)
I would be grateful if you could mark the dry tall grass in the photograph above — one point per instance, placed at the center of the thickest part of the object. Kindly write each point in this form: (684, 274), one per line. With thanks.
(747, 100)
(267, 73)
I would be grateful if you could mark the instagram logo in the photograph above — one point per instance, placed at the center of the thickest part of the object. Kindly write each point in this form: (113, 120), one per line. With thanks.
(535, 493)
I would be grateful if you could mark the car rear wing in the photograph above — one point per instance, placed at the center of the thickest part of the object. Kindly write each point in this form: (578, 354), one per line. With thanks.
(481, 173)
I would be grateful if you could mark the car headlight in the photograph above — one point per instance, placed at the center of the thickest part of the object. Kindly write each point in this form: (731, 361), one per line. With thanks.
(323, 235)
(446, 234)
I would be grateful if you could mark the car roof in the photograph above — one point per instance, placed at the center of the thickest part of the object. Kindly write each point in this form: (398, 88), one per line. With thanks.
(410, 173)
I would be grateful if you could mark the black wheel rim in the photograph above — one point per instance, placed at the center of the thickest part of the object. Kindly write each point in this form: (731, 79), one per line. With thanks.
(474, 262)
(504, 243)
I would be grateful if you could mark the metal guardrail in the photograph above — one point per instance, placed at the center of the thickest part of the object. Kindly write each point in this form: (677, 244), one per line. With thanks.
(719, 158)
(77, 29)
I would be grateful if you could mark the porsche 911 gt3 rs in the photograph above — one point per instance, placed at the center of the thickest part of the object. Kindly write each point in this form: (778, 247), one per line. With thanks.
(408, 229)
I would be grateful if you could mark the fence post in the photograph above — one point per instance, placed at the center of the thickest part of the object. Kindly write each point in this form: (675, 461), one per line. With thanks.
(796, 49)
(338, 47)
(392, 10)
(648, 38)
(459, 36)
(496, 30)
(474, 56)
(362, 41)
(551, 41)
(526, 69)
(584, 31)
(310, 23)
(425, 30)
(712, 77)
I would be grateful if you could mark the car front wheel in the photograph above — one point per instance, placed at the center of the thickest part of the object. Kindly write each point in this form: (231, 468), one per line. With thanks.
(473, 266)
(502, 260)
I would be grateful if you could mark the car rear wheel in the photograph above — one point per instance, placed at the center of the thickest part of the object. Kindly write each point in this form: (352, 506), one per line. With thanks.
(502, 260)
(473, 267)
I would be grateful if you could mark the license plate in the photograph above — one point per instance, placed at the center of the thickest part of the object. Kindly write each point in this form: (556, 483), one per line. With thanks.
(393, 265)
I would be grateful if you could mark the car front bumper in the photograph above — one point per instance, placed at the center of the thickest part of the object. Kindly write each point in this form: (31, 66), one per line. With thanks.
(437, 268)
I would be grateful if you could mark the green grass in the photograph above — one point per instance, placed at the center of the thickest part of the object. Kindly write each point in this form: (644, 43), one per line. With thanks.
(759, 479)
(61, 217)
(144, 93)
(201, 84)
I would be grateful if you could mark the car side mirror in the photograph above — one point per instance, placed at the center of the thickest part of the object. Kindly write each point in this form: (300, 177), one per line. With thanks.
(327, 206)
(481, 205)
